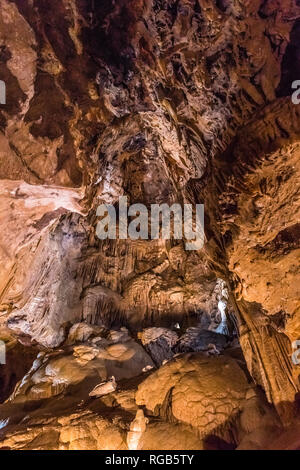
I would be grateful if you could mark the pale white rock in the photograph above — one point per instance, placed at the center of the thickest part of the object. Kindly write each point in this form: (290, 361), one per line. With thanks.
(137, 429)
(222, 328)
(147, 368)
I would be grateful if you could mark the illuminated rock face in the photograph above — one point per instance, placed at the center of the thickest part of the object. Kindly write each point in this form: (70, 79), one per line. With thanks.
(171, 101)
(192, 402)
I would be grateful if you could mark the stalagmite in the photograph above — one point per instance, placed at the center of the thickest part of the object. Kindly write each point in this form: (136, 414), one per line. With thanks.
(137, 429)
(222, 328)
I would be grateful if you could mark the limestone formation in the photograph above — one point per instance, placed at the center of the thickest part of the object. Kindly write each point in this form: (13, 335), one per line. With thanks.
(161, 102)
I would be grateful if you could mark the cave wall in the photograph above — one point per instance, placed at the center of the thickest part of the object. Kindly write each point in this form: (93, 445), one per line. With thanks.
(162, 101)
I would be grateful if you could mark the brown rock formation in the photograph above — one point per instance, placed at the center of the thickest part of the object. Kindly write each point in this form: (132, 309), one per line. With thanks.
(162, 101)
